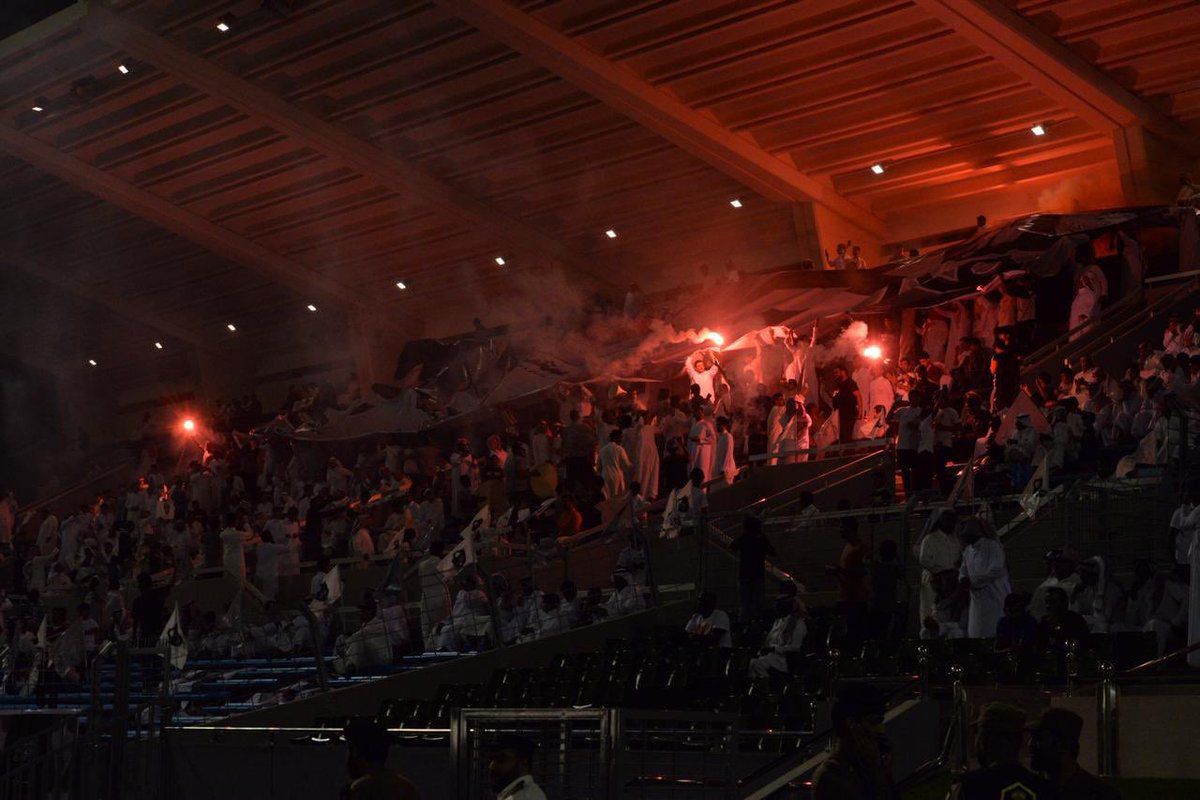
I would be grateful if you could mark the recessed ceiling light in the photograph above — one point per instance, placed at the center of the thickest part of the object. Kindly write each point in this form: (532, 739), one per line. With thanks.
(38, 109)
(121, 68)
(877, 169)
(610, 233)
(223, 26)
(311, 307)
(735, 203)
(401, 285)
(500, 261)
(1038, 130)
(158, 345)
(232, 327)
(92, 361)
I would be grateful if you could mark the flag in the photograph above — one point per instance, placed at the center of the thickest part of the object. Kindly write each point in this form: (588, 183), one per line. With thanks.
(1146, 453)
(173, 639)
(964, 487)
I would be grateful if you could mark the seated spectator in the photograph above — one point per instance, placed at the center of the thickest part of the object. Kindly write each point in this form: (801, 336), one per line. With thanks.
(625, 598)
(1017, 629)
(1054, 752)
(709, 626)
(786, 636)
(1060, 625)
(949, 617)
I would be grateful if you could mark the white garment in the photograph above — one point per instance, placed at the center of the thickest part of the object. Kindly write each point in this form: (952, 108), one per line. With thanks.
(879, 393)
(1083, 308)
(523, 788)
(1186, 520)
(614, 467)
(726, 464)
(983, 565)
(718, 620)
(647, 462)
(937, 552)
(702, 440)
(363, 544)
(908, 427)
(233, 549)
(786, 636)
(266, 574)
(624, 601)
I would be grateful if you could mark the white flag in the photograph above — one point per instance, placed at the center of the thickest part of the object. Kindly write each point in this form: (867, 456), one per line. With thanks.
(174, 640)
(39, 656)
(333, 584)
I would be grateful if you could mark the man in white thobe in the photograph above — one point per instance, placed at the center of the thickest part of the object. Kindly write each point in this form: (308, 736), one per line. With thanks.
(786, 636)
(938, 550)
(726, 464)
(702, 441)
(646, 458)
(615, 466)
(984, 575)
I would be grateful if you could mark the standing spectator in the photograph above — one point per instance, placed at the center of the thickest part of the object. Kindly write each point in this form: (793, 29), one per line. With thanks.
(851, 572)
(847, 400)
(752, 548)
(510, 769)
(984, 576)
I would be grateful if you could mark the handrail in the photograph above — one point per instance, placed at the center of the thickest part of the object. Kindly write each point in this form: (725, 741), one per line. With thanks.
(1157, 662)
(1057, 344)
(34, 506)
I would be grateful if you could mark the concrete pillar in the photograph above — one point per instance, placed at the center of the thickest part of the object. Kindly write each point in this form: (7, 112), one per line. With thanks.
(375, 351)
(220, 376)
(818, 229)
(1149, 167)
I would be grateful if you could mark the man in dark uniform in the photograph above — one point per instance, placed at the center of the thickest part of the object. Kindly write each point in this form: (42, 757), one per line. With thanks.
(860, 766)
(1054, 752)
(1000, 731)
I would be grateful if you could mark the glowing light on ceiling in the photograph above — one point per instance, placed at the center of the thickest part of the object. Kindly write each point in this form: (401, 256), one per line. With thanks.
(223, 26)
(92, 361)
(500, 261)
(610, 233)
(1038, 130)
(38, 109)
(401, 285)
(232, 328)
(121, 68)
(311, 307)
(158, 346)
(736, 203)
(877, 169)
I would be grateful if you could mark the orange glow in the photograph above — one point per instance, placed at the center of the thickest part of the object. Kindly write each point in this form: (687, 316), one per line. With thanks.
(715, 338)
(873, 352)
(189, 424)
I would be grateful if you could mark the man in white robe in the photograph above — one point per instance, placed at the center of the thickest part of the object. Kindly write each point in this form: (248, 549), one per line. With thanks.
(786, 636)
(702, 441)
(984, 575)
(615, 466)
(646, 458)
(775, 428)
(1084, 307)
(938, 550)
(726, 464)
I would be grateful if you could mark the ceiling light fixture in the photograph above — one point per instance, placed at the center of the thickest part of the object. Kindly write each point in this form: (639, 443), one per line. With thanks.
(610, 233)
(121, 68)
(877, 169)
(232, 327)
(401, 285)
(92, 361)
(736, 203)
(38, 109)
(223, 26)
(1038, 130)
(500, 261)
(311, 307)
(158, 345)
